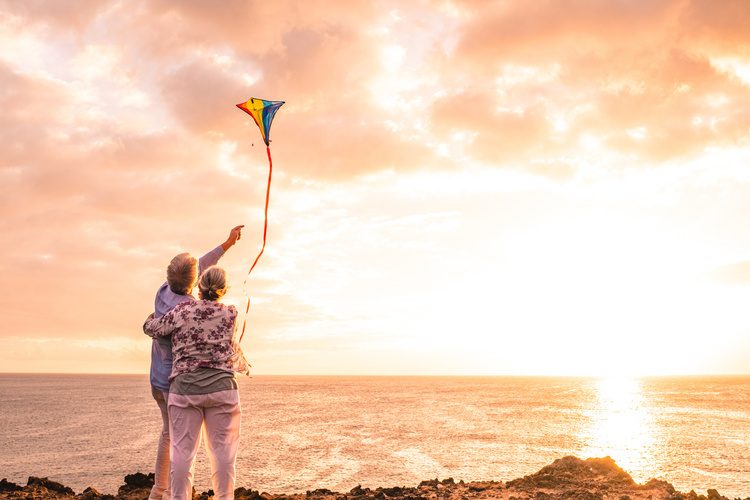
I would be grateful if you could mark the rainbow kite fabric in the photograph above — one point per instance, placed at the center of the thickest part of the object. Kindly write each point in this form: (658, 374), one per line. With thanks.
(262, 112)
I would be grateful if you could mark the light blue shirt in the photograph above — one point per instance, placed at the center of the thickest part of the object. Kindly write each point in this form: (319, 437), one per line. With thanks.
(165, 301)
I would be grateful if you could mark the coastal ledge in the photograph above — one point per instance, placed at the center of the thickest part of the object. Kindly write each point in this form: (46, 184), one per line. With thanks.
(566, 478)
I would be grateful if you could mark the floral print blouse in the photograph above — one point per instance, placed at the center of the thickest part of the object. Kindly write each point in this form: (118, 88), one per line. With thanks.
(202, 337)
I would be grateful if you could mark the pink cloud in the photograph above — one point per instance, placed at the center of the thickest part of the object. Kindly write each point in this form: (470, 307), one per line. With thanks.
(56, 15)
(725, 27)
(502, 135)
(544, 31)
(110, 166)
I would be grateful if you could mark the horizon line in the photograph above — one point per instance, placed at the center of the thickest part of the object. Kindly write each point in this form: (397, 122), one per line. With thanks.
(418, 375)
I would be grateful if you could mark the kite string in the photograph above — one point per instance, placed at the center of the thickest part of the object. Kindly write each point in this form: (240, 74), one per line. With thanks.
(265, 229)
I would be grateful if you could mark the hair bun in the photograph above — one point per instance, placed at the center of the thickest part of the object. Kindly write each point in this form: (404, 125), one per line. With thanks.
(213, 283)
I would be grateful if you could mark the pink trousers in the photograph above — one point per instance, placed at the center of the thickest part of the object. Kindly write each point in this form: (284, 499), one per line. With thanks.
(219, 415)
(160, 490)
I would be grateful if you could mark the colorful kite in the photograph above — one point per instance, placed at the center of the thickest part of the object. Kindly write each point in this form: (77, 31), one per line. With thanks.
(262, 112)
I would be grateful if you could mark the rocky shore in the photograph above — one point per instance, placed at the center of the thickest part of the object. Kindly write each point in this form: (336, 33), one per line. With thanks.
(565, 478)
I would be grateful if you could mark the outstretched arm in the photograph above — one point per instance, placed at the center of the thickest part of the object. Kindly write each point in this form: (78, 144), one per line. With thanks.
(212, 257)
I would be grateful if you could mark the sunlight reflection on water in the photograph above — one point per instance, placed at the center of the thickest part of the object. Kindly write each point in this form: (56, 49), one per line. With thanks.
(622, 426)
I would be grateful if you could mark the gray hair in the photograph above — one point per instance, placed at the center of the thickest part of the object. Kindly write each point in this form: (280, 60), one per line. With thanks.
(182, 273)
(213, 283)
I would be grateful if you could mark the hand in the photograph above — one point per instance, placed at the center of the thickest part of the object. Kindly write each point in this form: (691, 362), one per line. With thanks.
(234, 235)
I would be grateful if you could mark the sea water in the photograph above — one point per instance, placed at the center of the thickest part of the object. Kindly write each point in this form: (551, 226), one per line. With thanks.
(301, 433)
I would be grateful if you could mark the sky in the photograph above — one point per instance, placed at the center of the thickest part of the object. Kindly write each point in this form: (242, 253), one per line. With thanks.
(460, 187)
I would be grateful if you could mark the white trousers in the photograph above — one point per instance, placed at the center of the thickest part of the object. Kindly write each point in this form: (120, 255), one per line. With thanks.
(161, 490)
(219, 415)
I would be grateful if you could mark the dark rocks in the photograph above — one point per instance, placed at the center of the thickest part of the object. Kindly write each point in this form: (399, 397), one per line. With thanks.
(714, 495)
(242, 492)
(6, 485)
(568, 478)
(137, 486)
(320, 492)
(140, 480)
(396, 491)
(92, 494)
(657, 483)
(248, 494)
(357, 491)
(581, 494)
(572, 473)
(43, 482)
(204, 496)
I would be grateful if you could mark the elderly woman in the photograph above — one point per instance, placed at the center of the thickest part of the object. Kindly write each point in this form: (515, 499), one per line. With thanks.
(203, 389)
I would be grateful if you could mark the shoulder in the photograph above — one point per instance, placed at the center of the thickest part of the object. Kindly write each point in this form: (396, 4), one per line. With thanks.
(185, 304)
(226, 310)
(231, 310)
(183, 307)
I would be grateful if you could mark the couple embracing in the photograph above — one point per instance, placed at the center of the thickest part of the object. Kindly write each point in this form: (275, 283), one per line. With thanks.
(194, 357)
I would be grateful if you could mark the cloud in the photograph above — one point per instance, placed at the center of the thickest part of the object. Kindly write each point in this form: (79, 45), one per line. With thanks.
(545, 31)
(122, 145)
(726, 28)
(57, 15)
(197, 95)
(736, 273)
(636, 77)
(501, 135)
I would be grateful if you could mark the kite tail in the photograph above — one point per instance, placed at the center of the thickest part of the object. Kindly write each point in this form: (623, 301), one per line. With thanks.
(265, 229)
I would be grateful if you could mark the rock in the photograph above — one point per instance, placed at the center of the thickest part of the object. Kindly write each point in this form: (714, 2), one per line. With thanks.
(89, 493)
(658, 484)
(205, 495)
(714, 495)
(246, 494)
(44, 482)
(571, 472)
(581, 495)
(568, 478)
(6, 485)
(140, 480)
(392, 492)
(137, 487)
(357, 491)
(320, 492)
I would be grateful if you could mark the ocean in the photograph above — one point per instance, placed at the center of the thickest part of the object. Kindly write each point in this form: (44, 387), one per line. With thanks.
(301, 433)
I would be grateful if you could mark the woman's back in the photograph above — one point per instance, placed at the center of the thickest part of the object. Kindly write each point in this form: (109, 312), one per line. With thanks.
(203, 337)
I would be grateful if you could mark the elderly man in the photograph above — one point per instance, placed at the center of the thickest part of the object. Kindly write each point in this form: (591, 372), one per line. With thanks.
(182, 275)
